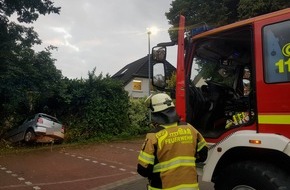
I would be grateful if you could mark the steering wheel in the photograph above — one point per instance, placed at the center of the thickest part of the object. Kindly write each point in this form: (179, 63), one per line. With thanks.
(228, 89)
(199, 100)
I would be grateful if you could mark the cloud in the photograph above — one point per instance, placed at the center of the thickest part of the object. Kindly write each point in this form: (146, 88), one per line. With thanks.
(65, 41)
(106, 34)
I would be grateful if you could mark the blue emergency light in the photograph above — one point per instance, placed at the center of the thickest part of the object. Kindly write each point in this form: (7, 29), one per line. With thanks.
(203, 28)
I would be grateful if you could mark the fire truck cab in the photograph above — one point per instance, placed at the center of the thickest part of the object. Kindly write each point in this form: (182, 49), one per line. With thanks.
(233, 85)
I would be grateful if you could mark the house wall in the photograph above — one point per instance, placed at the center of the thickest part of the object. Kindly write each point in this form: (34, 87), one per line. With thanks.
(138, 93)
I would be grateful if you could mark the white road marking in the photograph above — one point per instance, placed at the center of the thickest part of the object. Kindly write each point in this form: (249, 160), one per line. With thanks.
(77, 180)
(19, 178)
(28, 183)
(124, 148)
(37, 186)
(103, 163)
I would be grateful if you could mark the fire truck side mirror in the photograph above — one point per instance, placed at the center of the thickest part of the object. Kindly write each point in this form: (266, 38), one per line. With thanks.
(158, 73)
(159, 54)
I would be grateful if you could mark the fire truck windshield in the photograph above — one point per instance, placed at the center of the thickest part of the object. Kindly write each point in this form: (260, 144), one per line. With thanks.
(205, 70)
(221, 58)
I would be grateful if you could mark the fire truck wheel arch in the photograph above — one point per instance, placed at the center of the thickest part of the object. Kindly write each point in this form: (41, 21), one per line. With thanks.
(238, 147)
(252, 175)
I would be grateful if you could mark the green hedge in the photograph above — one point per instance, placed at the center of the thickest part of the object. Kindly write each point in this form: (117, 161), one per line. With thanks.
(92, 109)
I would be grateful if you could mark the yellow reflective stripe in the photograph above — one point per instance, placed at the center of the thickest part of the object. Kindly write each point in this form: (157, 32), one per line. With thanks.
(201, 144)
(179, 187)
(146, 158)
(170, 125)
(174, 163)
(274, 119)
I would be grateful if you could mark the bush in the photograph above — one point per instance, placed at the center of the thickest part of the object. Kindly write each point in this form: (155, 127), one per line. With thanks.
(102, 111)
(121, 122)
(138, 116)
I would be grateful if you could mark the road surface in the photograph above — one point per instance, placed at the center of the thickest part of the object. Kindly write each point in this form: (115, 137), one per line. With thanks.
(104, 166)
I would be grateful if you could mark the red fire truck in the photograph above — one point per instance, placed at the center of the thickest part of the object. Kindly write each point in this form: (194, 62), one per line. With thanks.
(233, 85)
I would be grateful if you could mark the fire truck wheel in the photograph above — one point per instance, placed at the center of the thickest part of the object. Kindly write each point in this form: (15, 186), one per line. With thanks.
(251, 175)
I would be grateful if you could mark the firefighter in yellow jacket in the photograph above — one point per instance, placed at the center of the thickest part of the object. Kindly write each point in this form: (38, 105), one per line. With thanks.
(169, 153)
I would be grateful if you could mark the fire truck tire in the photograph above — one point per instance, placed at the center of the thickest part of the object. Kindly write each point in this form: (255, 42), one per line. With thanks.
(249, 175)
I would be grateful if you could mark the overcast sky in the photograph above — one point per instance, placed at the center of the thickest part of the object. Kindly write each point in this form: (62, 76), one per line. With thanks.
(106, 34)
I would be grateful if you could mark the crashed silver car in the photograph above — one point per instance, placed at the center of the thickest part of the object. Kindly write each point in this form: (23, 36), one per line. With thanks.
(37, 128)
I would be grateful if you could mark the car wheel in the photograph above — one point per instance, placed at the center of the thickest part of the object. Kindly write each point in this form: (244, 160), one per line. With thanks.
(58, 141)
(29, 136)
(250, 175)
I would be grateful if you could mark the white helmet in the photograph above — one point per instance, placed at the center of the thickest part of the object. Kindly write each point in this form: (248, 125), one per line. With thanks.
(160, 102)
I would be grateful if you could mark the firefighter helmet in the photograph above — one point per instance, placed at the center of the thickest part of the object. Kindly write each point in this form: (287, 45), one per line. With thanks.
(160, 102)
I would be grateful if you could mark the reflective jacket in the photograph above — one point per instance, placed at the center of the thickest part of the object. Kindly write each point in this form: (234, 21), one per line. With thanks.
(168, 157)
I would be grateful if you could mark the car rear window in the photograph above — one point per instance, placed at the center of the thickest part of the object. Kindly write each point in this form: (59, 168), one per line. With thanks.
(49, 118)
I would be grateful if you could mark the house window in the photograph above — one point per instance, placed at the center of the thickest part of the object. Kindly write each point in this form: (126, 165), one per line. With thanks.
(137, 84)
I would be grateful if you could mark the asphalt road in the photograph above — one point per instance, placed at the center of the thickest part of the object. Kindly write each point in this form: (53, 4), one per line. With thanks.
(139, 183)
(106, 166)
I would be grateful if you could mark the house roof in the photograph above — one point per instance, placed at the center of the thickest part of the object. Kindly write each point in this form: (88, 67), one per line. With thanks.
(138, 68)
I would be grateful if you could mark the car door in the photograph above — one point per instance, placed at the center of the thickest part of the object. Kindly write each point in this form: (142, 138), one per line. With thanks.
(17, 133)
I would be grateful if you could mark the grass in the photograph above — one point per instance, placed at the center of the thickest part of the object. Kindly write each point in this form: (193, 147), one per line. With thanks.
(15, 148)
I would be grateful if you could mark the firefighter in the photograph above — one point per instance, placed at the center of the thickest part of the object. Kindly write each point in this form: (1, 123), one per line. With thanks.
(169, 153)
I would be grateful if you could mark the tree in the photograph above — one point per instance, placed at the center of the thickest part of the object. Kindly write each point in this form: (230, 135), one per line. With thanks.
(172, 81)
(218, 12)
(21, 68)
(248, 9)
(13, 36)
